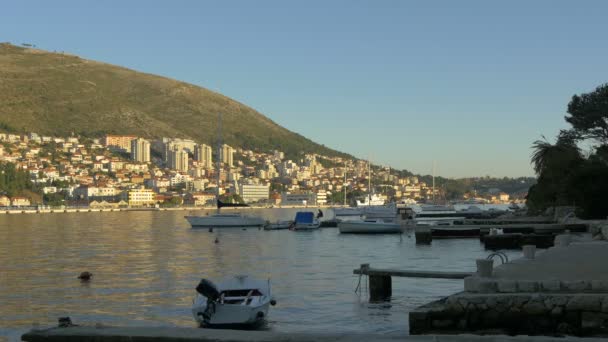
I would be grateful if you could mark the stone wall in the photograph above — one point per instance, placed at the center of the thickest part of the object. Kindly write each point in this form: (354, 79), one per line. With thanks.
(521, 313)
(492, 285)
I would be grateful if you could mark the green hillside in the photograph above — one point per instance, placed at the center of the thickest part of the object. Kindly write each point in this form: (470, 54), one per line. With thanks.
(59, 94)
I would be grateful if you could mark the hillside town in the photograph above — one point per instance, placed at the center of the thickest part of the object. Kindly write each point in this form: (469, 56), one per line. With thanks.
(130, 171)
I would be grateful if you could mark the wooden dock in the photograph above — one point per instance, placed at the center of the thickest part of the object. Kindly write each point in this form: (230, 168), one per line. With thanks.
(380, 280)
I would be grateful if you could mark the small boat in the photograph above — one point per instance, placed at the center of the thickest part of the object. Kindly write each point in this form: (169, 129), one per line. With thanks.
(239, 301)
(279, 225)
(305, 220)
(225, 221)
(369, 226)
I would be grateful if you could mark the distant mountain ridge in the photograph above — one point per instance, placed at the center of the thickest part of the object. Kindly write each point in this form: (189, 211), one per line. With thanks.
(60, 94)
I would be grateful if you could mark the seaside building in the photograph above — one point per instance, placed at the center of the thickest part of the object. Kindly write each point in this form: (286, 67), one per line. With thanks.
(202, 154)
(140, 150)
(227, 153)
(254, 193)
(119, 142)
(139, 197)
(298, 198)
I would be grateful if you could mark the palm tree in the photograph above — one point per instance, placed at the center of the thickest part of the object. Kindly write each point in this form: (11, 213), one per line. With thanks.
(564, 151)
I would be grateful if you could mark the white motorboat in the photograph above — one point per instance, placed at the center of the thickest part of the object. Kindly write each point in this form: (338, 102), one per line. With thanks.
(279, 225)
(234, 302)
(305, 220)
(369, 226)
(225, 221)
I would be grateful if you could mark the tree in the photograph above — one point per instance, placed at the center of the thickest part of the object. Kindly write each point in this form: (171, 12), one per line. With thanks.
(564, 150)
(589, 114)
(565, 176)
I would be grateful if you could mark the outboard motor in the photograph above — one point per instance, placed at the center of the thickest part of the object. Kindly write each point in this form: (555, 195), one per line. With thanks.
(208, 289)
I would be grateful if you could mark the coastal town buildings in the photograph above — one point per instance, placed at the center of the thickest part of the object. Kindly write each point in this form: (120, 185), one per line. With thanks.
(68, 171)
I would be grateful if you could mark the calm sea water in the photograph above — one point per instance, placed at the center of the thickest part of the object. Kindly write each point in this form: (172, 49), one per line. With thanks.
(146, 265)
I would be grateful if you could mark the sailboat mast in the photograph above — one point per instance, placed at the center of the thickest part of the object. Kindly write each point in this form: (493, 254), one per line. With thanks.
(433, 194)
(369, 183)
(219, 155)
(344, 185)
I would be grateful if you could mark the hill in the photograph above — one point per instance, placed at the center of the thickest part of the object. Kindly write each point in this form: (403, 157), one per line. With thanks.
(59, 94)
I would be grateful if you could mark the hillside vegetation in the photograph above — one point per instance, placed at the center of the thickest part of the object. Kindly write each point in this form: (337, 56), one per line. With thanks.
(59, 94)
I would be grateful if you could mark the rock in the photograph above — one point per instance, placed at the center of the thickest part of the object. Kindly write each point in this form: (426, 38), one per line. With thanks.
(520, 300)
(566, 329)
(605, 304)
(593, 320)
(557, 300)
(557, 311)
(584, 303)
(534, 308)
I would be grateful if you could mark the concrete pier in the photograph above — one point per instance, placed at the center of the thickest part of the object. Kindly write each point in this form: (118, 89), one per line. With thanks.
(380, 280)
(561, 291)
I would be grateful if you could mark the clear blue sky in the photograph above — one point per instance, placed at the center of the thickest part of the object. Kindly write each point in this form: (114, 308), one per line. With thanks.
(469, 84)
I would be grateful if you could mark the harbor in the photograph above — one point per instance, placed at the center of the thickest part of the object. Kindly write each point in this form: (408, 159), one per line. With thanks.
(153, 284)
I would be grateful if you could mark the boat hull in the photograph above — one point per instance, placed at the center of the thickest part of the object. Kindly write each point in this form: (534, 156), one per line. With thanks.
(224, 222)
(352, 227)
(231, 315)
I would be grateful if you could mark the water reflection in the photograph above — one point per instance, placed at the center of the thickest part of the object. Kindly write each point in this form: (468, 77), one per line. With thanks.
(146, 265)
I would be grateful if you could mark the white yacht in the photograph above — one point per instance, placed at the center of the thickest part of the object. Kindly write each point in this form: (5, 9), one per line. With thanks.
(371, 200)
(236, 301)
(369, 226)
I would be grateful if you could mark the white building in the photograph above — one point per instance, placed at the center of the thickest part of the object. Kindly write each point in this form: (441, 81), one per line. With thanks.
(140, 197)
(178, 160)
(227, 155)
(298, 198)
(254, 193)
(140, 150)
(202, 154)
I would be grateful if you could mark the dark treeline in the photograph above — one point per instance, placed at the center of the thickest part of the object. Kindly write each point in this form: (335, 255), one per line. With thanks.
(13, 181)
(567, 176)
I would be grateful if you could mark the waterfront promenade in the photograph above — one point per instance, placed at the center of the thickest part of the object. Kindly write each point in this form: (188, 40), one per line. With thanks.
(102, 334)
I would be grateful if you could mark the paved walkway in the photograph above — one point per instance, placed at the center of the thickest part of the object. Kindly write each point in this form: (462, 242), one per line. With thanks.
(191, 334)
(577, 262)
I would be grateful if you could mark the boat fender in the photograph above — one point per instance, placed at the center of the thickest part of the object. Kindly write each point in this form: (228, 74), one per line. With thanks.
(260, 315)
(273, 302)
(208, 289)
